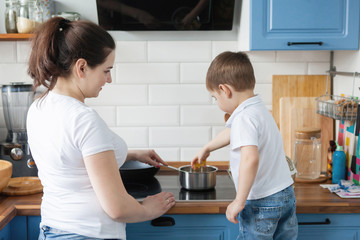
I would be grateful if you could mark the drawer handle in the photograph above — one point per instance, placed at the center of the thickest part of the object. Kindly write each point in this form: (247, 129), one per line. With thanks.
(163, 222)
(326, 222)
(305, 43)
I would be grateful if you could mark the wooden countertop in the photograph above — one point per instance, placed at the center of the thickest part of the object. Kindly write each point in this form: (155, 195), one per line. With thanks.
(310, 197)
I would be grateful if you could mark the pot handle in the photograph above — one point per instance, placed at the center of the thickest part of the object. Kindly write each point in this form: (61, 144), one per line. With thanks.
(163, 222)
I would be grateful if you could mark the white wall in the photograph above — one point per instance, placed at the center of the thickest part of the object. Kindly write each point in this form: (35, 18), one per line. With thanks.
(158, 98)
(347, 61)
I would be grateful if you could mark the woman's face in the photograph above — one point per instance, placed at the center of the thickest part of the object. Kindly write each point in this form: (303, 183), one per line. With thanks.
(97, 77)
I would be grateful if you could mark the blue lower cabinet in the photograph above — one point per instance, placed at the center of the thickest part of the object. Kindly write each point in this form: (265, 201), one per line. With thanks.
(21, 228)
(5, 233)
(184, 227)
(33, 223)
(329, 226)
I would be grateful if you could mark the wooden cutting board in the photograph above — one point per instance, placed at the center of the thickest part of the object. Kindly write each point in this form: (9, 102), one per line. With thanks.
(23, 186)
(299, 112)
(296, 86)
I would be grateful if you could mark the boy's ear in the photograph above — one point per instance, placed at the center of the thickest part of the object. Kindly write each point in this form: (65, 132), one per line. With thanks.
(225, 89)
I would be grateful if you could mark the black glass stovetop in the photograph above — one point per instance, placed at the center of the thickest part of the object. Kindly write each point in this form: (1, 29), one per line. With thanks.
(224, 189)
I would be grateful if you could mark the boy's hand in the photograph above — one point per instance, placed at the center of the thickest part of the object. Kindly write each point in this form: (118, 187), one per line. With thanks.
(233, 210)
(200, 158)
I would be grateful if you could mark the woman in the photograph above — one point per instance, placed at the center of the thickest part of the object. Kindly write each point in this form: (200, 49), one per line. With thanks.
(77, 155)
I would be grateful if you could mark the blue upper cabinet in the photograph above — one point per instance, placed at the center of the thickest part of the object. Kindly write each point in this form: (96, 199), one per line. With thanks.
(299, 25)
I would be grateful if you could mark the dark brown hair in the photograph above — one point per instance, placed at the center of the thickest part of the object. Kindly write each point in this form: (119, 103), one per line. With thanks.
(233, 68)
(59, 43)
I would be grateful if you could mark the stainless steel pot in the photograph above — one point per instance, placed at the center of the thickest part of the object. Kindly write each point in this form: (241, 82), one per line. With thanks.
(198, 180)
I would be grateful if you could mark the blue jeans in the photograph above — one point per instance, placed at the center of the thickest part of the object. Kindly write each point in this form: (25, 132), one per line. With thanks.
(49, 233)
(272, 217)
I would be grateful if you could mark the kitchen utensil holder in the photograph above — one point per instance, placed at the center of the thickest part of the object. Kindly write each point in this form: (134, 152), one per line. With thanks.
(337, 107)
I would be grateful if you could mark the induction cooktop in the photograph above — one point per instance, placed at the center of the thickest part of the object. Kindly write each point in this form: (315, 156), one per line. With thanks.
(224, 189)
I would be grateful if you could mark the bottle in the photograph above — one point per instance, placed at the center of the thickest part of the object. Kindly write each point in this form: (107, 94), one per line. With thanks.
(11, 14)
(331, 150)
(339, 161)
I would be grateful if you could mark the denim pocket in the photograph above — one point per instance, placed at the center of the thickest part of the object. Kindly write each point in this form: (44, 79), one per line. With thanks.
(266, 218)
(293, 219)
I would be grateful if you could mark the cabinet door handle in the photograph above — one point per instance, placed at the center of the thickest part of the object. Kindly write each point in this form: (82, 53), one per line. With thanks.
(305, 43)
(163, 222)
(326, 222)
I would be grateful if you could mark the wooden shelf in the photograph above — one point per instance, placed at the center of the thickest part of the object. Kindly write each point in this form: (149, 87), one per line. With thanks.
(15, 36)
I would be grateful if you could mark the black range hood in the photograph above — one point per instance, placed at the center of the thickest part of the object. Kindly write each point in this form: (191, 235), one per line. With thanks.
(165, 15)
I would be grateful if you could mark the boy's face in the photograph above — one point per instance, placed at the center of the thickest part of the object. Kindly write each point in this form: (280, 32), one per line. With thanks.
(222, 100)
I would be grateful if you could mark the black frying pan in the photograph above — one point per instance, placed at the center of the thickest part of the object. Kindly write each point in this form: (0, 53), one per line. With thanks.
(135, 170)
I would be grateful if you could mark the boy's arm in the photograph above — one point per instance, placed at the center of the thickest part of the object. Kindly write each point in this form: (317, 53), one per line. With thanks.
(221, 140)
(247, 173)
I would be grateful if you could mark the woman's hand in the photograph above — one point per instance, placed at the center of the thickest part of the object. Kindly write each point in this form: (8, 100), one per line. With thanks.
(157, 205)
(148, 156)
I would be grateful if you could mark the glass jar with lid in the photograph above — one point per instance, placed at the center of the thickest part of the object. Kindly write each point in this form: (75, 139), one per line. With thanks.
(36, 13)
(30, 15)
(307, 153)
(11, 14)
(23, 23)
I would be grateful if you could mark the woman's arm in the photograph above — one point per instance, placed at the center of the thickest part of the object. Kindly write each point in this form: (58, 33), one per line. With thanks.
(116, 202)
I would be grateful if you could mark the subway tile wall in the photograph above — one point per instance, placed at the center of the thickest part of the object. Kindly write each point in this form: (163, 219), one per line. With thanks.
(158, 97)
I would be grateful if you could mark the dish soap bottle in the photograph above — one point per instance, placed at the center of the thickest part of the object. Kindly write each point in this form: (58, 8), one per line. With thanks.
(339, 160)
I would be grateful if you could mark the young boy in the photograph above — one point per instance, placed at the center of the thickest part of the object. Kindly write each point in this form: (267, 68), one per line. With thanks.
(265, 201)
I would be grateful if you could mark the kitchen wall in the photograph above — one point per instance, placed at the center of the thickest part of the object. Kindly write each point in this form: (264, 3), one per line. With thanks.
(158, 98)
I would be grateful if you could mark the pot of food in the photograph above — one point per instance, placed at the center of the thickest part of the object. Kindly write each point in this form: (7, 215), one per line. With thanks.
(200, 179)
(135, 170)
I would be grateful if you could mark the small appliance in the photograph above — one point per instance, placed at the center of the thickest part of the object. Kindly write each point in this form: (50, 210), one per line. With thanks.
(16, 100)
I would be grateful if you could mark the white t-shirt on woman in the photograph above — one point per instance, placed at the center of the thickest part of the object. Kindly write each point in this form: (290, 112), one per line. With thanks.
(62, 131)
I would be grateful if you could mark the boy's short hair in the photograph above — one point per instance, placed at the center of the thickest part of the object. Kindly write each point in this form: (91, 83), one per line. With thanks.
(232, 68)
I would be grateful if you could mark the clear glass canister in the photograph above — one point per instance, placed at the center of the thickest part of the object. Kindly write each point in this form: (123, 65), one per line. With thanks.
(11, 14)
(30, 15)
(36, 13)
(307, 153)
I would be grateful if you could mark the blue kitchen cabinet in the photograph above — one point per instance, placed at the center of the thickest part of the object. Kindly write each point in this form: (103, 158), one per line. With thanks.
(33, 223)
(21, 228)
(184, 227)
(329, 226)
(5, 233)
(301, 25)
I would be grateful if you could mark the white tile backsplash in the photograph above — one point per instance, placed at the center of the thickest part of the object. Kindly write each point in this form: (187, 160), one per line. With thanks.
(179, 94)
(175, 51)
(158, 98)
(200, 115)
(116, 94)
(8, 52)
(131, 51)
(193, 72)
(148, 116)
(14, 72)
(179, 136)
(133, 73)
(135, 137)
(23, 51)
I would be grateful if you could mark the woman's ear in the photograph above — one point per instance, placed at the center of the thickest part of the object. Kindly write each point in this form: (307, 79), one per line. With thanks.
(79, 68)
(226, 90)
